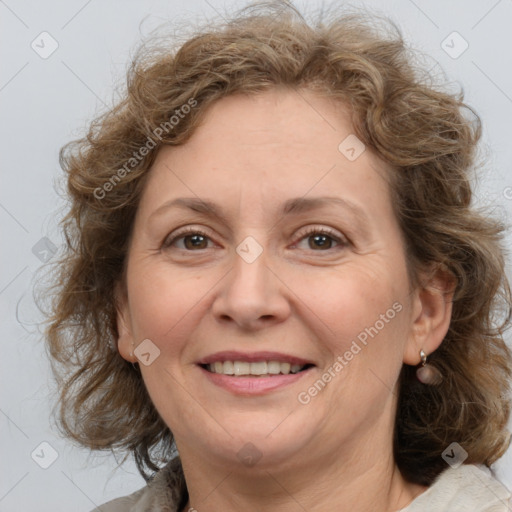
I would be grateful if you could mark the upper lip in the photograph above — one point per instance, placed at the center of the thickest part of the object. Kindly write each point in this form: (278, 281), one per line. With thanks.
(234, 355)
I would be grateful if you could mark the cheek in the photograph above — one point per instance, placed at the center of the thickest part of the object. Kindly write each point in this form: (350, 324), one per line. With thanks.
(164, 304)
(351, 299)
(334, 306)
(366, 311)
(367, 314)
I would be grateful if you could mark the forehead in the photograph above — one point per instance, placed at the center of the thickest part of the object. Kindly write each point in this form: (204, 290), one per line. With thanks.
(273, 145)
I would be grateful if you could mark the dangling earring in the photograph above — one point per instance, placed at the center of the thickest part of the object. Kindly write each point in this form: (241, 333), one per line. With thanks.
(426, 373)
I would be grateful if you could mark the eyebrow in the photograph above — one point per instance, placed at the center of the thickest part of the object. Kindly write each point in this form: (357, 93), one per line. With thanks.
(293, 206)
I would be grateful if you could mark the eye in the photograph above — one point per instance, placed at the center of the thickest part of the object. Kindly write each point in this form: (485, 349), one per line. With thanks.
(192, 238)
(322, 239)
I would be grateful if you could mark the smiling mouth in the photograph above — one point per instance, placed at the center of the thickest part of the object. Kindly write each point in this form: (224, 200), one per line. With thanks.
(254, 369)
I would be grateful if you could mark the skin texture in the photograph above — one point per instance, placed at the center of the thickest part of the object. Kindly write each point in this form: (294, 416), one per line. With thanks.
(299, 297)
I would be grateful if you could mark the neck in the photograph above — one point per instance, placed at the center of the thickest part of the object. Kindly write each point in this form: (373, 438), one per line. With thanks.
(354, 479)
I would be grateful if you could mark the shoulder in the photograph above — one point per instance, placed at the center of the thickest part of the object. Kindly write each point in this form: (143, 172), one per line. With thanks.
(468, 488)
(164, 492)
(124, 504)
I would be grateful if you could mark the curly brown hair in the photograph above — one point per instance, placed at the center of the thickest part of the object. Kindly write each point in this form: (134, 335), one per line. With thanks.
(428, 137)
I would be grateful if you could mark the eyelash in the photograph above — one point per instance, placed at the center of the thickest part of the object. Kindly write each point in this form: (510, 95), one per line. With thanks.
(182, 234)
(342, 242)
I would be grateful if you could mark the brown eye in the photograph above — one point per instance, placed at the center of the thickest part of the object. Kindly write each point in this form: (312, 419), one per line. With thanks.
(196, 241)
(192, 240)
(320, 241)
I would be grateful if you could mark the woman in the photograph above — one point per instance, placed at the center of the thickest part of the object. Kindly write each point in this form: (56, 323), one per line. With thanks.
(274, 231)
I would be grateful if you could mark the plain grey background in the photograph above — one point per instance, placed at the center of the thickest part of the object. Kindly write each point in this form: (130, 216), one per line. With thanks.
(48, 99)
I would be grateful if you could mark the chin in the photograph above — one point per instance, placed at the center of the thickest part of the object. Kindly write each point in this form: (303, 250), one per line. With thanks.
(257, 441)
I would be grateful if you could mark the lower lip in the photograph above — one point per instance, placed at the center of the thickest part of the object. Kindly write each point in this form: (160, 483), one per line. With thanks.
(252, 385)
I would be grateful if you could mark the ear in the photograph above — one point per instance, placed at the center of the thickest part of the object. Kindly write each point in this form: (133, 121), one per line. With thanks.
(125, 341)
(432, 313)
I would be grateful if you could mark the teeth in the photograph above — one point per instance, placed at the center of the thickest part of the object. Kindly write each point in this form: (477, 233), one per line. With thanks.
(274, 367)
(257, 368)
(227, 368)
(285, 368)
(242, 368)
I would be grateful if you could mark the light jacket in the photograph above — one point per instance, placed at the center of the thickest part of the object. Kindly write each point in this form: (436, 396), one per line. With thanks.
(468, 488)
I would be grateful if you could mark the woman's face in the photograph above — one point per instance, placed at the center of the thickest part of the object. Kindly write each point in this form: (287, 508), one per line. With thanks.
(263, 240)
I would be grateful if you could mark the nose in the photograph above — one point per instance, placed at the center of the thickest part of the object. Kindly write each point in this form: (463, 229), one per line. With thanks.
(252, 296)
